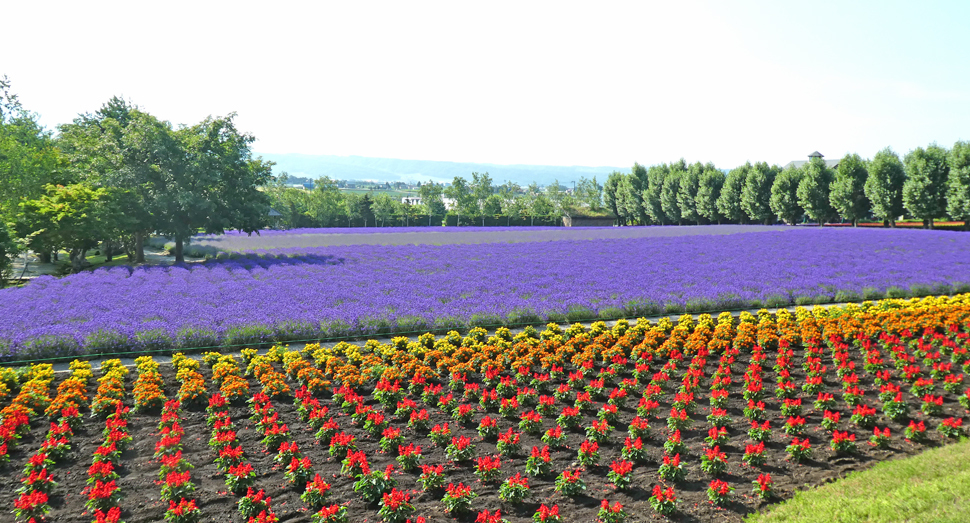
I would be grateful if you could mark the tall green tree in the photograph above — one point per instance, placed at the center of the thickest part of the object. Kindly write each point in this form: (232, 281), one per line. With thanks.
(813, 190)
(610, 197)
(122, 147)
(384, 208)
(631, 195)
(668, 196)
(784, 195)
(924, 191)
(462, 197)
(729, 201)
(687, 193)
(847, 195)
(884, 185)
(589, 193)
(213, 185)
(482, 189)
(756, 195)
(326, 202)
(432, 199)
(708, 192)
(958, 184)
(512, 202)
(652, 192)
(28, 158)
(67, 216)
(537, 203)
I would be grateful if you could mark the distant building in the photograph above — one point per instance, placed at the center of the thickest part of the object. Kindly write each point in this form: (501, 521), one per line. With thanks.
(831, 164)
(411, 200)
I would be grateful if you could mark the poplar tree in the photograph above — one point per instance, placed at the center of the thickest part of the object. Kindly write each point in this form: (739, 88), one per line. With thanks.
(884, 185)
(847, 194)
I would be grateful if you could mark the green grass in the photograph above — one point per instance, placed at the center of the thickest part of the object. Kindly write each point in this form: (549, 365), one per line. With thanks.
(933, 486)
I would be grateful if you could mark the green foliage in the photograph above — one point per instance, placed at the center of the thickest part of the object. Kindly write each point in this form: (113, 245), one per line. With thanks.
(668, 196)
(958, 184)
(847, 195)
(813, 190)
(729, 201)
(610, 196)
(756, 195)
(784, 195)
(924, 191)
(884, 185)
(708, 191)
(687, 194)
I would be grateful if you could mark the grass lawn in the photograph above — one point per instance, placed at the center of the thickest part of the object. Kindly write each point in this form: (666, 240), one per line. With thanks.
(933, 486)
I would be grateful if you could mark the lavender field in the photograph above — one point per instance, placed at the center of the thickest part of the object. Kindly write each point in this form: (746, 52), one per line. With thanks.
(307, 292)
(274, 240)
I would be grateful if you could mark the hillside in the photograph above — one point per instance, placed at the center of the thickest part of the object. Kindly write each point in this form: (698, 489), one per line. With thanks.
(389, 169)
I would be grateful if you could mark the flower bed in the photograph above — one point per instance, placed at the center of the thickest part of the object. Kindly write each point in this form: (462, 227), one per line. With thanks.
(367, 289)
(740, 384)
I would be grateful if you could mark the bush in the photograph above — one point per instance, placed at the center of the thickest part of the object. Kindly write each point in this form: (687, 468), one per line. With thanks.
(919, 291)
(896, 292)
(153, 340)
(695, 305)
(580, 313)
(523, 316)
(871, 293)
(50, 346)
(297, 331)
(106, 342)
(612, 313)
(777, 301)
(637, 309)
(193, 338)
(254, 336)
(846, 296)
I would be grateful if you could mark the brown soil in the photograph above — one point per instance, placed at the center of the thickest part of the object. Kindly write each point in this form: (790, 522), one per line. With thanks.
(141, 491)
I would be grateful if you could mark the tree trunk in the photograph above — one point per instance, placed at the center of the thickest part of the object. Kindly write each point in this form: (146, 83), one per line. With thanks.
(44, 257)
(855, 222)
(139, 247)
(179, 256)
(109, 251)
(892, 223)
(930, 223)
(77, 259)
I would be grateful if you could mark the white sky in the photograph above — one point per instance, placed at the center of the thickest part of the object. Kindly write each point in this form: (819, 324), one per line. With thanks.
(554, 83)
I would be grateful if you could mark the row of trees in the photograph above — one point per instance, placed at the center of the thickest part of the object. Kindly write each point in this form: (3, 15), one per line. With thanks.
(112, 177)
(478, 198)
(927, 184)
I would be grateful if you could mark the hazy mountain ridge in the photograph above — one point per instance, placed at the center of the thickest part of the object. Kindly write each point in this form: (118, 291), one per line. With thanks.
(390, 169)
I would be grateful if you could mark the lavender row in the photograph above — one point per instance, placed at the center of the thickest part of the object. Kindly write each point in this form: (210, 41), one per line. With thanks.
(367, 289)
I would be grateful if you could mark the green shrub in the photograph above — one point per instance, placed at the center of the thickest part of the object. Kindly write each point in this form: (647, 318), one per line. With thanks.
(106, 342)
(896, 292)
(919, 290)
(580, 313)
(522, 316)
(846, 296)
(871, 294)
(695, 305)
(671, 307)
(482, 320)
(154, 340)
(777, 301)
(611, 313)
(194, 338)
(297, 331)
(638, 309)
(254, 336)
(50, 346)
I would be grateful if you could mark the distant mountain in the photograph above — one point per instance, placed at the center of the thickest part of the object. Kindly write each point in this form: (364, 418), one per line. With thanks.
(392, 170)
